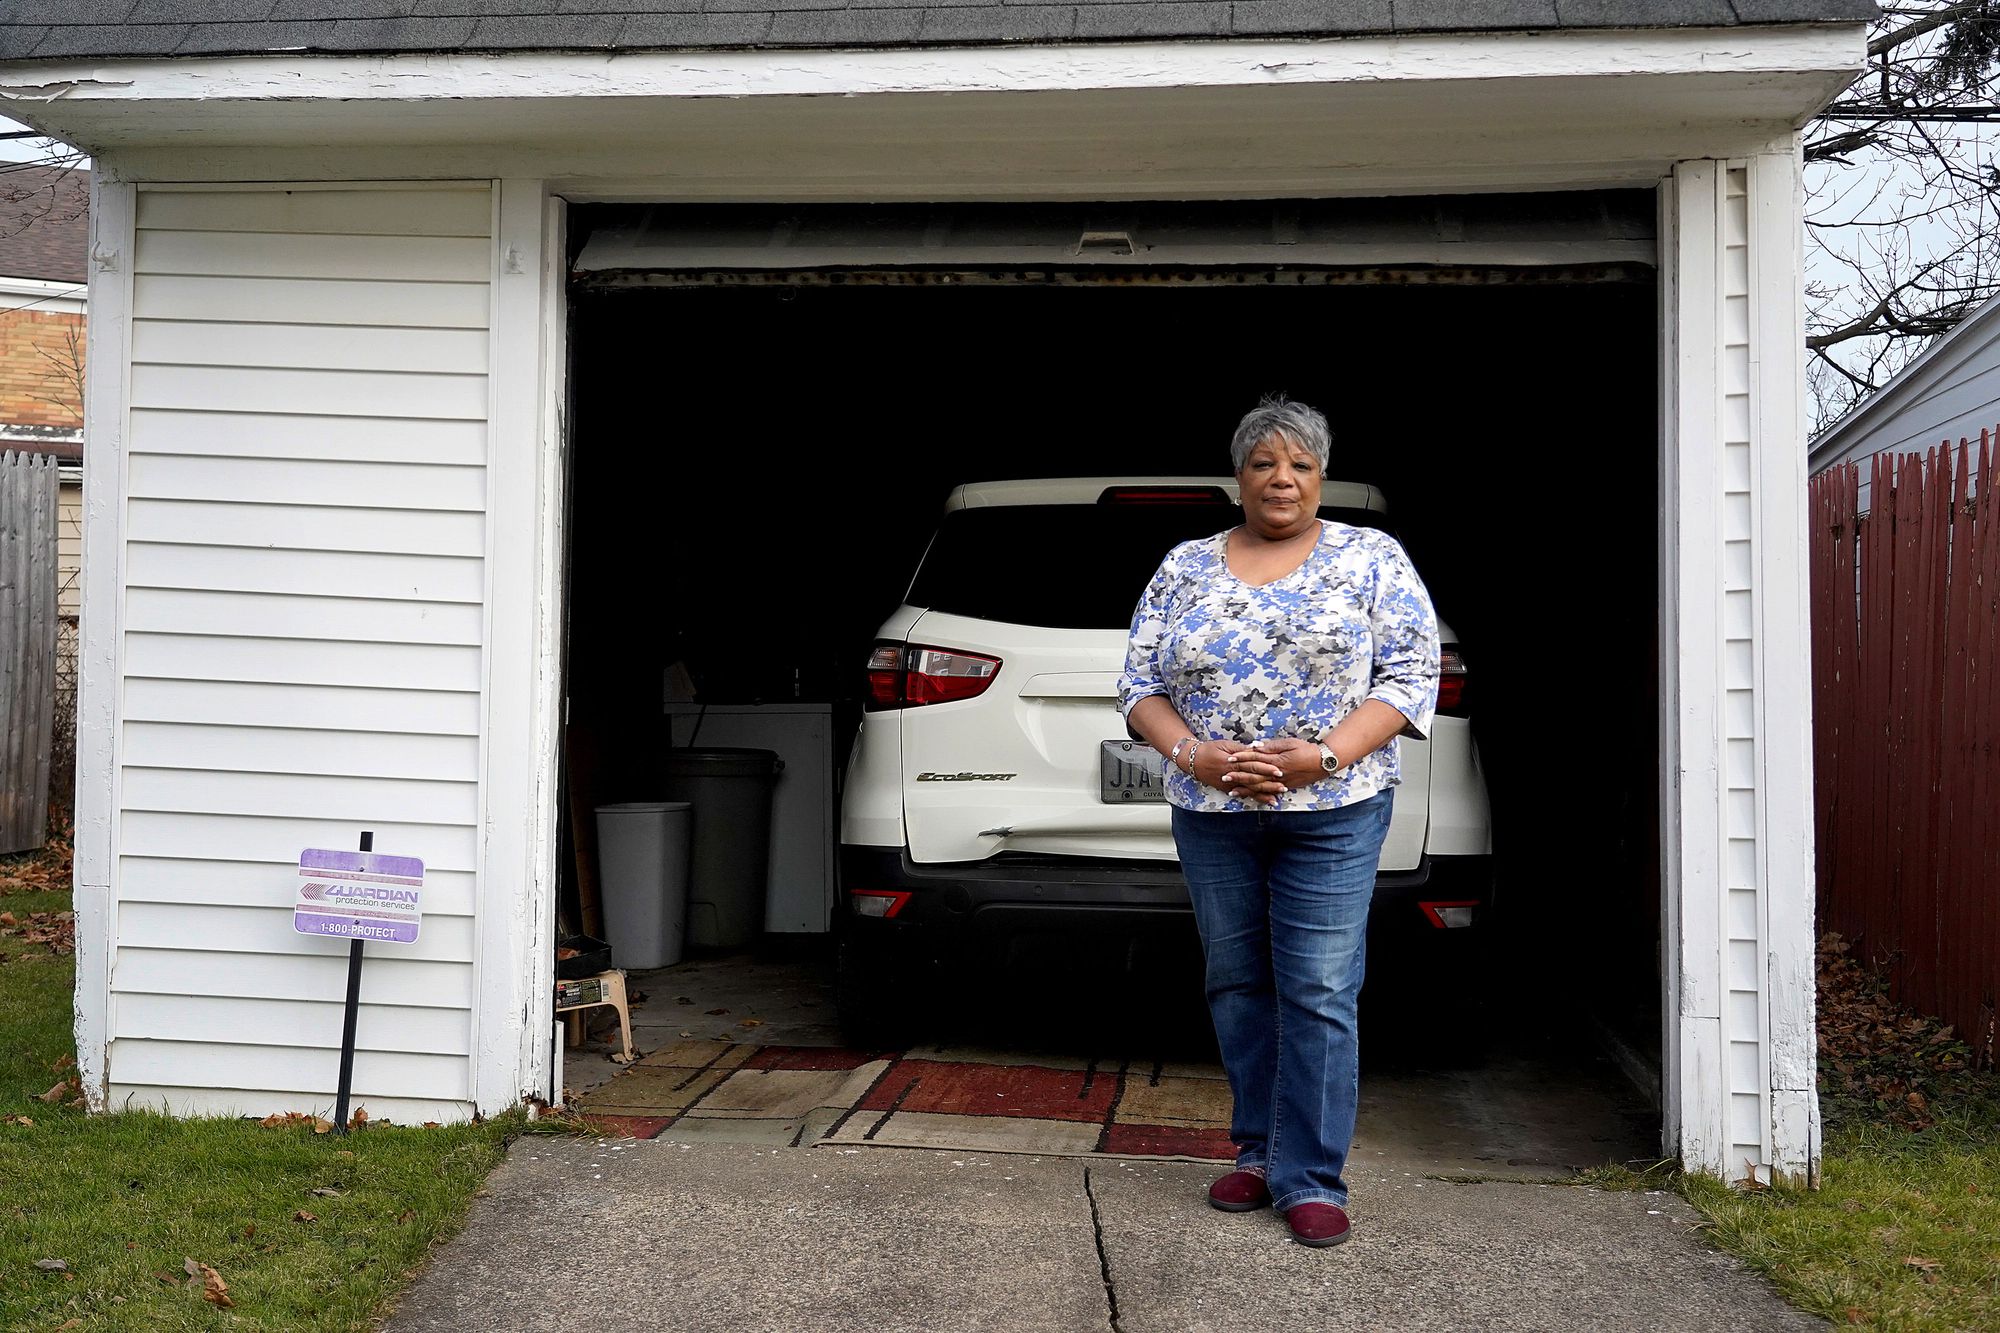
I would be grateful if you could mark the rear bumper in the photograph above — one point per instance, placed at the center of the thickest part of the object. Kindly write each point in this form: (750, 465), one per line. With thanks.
(964, 900)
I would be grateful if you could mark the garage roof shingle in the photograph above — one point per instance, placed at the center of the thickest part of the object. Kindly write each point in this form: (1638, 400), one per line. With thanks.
(66, 29)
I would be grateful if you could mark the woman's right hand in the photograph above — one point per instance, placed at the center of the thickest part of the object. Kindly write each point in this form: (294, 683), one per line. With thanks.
(1213, 768)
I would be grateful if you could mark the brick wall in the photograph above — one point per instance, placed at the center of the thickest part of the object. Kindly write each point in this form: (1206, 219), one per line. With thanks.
(39, 368)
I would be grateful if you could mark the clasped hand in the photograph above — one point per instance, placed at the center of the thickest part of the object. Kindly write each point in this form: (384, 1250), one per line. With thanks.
(1261, 770)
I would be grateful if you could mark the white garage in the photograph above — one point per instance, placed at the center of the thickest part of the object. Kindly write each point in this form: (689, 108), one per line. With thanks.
(335, 310)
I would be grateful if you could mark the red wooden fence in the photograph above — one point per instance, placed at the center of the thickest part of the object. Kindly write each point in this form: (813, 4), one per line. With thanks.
(1906, 684)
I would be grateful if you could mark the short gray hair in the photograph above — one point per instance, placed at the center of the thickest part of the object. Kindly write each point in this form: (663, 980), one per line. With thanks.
(1279, 415)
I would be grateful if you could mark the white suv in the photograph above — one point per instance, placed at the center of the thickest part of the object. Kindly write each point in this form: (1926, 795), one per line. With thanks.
(993, 788)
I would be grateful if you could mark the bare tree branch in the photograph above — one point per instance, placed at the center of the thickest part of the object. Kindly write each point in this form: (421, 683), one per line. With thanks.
(1903, 198)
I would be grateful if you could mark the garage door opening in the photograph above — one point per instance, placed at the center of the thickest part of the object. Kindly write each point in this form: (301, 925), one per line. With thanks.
(762, 445)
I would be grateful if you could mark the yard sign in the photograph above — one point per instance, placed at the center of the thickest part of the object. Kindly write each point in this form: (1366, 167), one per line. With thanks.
(359, 896)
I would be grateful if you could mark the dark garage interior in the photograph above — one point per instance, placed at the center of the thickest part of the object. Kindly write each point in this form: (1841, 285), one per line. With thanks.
(757, 467)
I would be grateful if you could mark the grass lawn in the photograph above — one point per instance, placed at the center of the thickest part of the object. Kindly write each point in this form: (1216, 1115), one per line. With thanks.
(125, 1200)
(1904, 1232)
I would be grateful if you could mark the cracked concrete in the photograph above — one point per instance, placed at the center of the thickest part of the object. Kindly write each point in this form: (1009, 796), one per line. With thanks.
(613, 1234)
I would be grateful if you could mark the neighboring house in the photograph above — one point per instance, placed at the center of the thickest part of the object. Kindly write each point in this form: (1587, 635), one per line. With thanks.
(44, 240)
(330, 564)
(1951, 392)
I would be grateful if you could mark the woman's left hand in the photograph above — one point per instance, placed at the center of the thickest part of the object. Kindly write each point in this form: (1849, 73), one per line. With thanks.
(1273, 767)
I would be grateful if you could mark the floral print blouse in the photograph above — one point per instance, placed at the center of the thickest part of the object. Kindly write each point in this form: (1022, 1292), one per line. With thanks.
(1290, 658)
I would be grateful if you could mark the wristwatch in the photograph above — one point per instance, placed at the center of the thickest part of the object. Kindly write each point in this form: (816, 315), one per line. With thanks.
(1329, 762)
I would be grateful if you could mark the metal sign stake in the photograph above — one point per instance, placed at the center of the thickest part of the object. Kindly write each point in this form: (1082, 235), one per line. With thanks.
(347, 1019)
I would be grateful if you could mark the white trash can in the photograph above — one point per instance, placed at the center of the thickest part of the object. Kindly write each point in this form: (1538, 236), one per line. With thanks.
(642, 864)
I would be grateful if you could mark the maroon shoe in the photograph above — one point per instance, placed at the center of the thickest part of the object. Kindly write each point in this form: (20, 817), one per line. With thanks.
(1240, 1192)
(1318, 1224)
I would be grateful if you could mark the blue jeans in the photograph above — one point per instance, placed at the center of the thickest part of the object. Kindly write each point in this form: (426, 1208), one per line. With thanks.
(1281, 900)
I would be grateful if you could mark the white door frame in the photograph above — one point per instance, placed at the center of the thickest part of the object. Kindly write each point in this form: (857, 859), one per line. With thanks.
(1736, 884)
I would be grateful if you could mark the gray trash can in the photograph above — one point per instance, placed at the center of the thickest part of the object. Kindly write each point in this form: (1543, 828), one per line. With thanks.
(642, 861)
(731, 793)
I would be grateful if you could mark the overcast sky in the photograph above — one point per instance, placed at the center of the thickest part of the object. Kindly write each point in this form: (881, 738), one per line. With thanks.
(19, 150)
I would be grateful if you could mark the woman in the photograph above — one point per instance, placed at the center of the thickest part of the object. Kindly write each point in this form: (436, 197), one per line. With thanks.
(1273, 666)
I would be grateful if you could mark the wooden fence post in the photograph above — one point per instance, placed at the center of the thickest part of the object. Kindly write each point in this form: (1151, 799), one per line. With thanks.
(27, 645)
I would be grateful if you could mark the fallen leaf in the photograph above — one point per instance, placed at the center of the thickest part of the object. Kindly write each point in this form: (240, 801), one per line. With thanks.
(168, 1279)
(345, 1153)
(7, 919)
(405, 1217)
(52, 1265)
(56, 1093)
(303, 1216)
(1926, 1266)
(63, 1062)
(322, 1126)
(714, 1012)
(683, 999)
(20, 1120)
(432, 1124)
(213, 1289)
(360, 1118)
(751, 1023)
(325, 1192)
(686, 1033)
(249, 1231)
(1856, 1315)
(71, 1323)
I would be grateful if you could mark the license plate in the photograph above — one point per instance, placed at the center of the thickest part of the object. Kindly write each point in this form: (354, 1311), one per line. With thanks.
(1131, 774)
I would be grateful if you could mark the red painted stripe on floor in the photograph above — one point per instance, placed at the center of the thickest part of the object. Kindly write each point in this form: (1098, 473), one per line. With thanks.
(1169, 1141)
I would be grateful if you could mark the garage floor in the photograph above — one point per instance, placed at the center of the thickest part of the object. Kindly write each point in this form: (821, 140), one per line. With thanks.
(744, 1050)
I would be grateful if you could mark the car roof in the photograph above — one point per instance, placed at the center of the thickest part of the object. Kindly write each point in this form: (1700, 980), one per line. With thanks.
(1086, 490)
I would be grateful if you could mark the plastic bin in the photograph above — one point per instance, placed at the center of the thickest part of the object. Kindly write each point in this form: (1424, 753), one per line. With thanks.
(642, 861)
(731, 793)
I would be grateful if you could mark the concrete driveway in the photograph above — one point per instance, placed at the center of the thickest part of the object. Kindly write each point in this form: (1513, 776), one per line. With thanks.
(1463, 1217)
(616, 1234)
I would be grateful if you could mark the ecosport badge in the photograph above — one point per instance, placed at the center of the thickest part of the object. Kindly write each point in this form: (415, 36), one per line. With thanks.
(966, 777)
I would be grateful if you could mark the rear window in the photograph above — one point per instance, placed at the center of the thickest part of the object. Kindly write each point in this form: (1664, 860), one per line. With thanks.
(1065, 566)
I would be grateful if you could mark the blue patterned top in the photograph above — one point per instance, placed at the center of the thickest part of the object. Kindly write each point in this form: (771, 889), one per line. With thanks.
(1290, 658)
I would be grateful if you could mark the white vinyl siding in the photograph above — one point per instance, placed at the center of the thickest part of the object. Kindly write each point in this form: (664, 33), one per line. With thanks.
(1949, 393)
(1740, 820)
(69, 548)
(1747, 1077)
(302, 630)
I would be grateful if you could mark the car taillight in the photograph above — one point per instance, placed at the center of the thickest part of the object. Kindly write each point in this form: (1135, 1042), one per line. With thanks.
(906, 676)
(885, 676)
(1451, 681)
